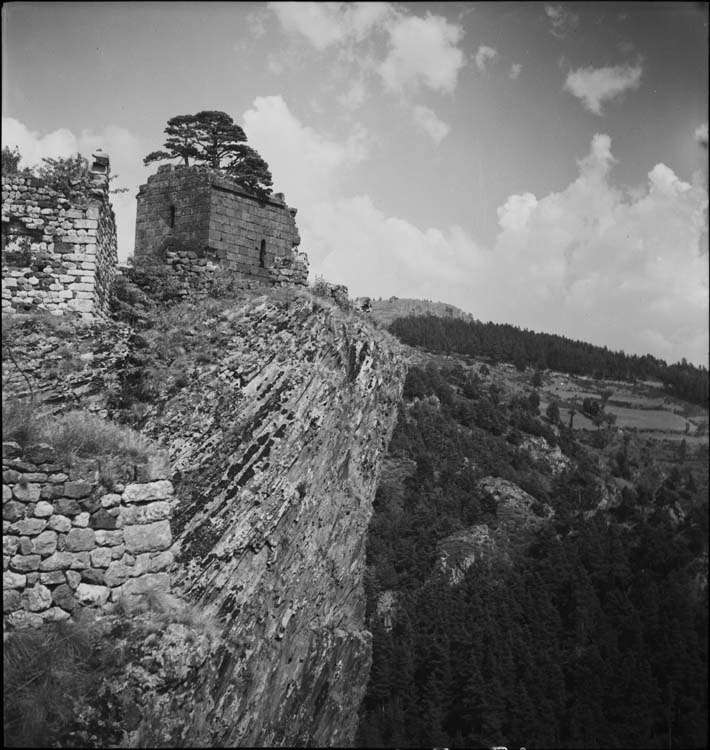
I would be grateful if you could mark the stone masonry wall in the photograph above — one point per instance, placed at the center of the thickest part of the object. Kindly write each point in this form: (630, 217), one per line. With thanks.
(69, 542)
(57, 255)
(201, 215)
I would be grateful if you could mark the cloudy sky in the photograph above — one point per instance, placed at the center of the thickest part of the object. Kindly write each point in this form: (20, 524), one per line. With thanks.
(539, 164)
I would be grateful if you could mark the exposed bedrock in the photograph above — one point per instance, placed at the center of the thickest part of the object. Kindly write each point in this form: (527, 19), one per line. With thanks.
(276, 453)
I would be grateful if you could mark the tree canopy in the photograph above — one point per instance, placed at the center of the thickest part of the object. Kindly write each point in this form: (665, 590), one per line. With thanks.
(212, 138)
(590, 632)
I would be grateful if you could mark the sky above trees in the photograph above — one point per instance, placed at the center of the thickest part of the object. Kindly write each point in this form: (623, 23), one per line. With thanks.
(539, 164)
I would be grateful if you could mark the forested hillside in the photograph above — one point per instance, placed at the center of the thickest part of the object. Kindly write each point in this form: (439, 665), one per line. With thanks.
(548, 351)
(527, 589)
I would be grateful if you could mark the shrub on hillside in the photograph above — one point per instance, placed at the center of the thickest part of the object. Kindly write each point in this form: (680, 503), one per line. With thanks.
(320, 287)
(128, 302)
(44, 672)
(80, 434)
(334, 292)
(74, 435)
(20, 423)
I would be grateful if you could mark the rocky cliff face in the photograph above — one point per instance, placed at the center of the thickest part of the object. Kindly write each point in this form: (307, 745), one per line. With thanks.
(276, 413)
(275, 451)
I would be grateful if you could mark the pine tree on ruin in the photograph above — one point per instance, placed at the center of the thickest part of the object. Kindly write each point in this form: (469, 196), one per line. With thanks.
(212, 138)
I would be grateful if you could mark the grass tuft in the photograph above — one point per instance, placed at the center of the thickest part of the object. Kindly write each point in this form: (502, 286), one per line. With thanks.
(44, 671)
(74, 435)
(154, 610)
(80, 434)
(20, 423)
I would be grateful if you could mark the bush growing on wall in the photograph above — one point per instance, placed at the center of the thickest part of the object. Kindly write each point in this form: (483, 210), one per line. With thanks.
(10, 160)
(69, 176)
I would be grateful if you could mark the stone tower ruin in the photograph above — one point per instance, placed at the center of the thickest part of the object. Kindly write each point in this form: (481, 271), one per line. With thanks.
(58, 254)
(198, 219)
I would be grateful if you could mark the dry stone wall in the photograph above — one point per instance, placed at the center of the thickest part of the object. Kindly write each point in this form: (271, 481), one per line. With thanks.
(186, 273)
(57, 255)
(196, 220)
(69, 542)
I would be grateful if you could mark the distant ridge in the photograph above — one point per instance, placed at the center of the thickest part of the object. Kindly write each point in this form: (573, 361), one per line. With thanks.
(387, 310)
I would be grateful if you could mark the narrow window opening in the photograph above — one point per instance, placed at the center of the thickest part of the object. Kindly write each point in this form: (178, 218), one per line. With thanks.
(172, 216)
(262, 254)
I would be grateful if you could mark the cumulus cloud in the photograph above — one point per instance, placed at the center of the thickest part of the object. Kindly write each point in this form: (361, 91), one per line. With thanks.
(597, 264)
(354, 96)
(422, 52)
(562, 21)
(379, 255)
(419, 52)
(327, 24)
(701, 134)
(593, 86)
(515, 70)
(624, 269)
(306, 164)
(428, 122)
(483, 55)
(124, 149)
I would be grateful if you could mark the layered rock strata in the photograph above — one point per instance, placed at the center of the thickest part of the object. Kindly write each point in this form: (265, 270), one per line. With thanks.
(276, 453)
(276, 442)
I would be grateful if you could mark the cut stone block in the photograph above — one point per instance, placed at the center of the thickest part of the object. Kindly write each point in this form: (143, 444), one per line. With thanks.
(79, 540)
(148, 537)
(91, 594)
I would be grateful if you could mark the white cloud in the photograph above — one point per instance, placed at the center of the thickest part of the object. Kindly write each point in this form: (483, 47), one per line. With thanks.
(701, 134)
(515, 70)
(428, 122)
(618, 268)
(125, 152)
(422, 52)
(306, 165)
(354, 96)
(562, 21)
(593, 86)
(35, 147)
(327, 24)
(350, 241)
(256, 23)
(274, 64)
(483, 55)
(602, 266)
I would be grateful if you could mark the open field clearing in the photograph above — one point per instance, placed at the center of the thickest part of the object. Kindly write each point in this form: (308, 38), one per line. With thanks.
(649, 419)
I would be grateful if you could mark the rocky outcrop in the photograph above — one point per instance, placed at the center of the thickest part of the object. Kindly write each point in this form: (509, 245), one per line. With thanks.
(515, 508)
(550, 456)
(276, 437)
(516, 517)
(276, 452)
(458, 552)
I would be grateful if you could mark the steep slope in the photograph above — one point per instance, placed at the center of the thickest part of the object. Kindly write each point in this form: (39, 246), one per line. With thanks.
(530, 584)
(276, 450)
